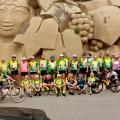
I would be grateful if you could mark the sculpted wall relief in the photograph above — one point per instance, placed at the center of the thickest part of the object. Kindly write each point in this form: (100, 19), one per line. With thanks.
(58, 26)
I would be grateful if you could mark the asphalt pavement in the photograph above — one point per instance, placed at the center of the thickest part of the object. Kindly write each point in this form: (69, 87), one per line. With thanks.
(103, 106)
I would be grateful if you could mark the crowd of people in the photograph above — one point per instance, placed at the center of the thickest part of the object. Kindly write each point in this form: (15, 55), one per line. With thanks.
(36, 75)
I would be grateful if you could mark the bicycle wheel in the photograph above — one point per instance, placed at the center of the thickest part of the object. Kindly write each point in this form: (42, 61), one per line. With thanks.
(0, 97)
(17, 98)
(15, 91)
(115, 86)
(97, 87)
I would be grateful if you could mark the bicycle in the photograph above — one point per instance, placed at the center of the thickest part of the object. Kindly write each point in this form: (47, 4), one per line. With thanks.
(15, 92)
(112, 84)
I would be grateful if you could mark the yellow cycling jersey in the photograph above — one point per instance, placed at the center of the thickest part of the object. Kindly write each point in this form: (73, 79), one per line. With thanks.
(26, 82)
(52, 65)
(43, 64)
(95, 63)
(66, 60)
(74, 65)
(13, 64)
(33, 63)
(91, 79)
(107, 59)
(100, 60)
(3, 66)
(83, 60)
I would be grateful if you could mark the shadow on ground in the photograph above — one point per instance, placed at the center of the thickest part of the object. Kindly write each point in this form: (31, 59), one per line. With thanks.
(14, 113)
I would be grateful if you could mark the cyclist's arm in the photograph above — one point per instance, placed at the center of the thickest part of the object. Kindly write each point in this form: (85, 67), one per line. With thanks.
(67, 81)
(87, 67)
(75, 82)
(10, 78)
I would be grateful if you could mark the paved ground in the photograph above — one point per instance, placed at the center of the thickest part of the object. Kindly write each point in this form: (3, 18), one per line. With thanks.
(105, 106)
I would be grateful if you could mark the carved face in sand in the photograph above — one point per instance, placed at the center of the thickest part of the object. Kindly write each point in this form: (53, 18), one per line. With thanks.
(13, 14)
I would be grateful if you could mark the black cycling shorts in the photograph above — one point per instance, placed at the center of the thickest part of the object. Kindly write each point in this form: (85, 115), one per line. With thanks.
(33, 73)
(1, 83)
(62, 72)
(83, 70)
(74, 72)
(43, 72)
(24, 73)
(15, 72)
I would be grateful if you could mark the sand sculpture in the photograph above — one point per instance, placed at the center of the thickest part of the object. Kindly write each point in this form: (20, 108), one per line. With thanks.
(28, 27)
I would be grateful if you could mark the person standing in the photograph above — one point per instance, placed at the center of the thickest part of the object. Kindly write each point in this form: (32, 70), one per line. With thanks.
(100, 61)
(107, 62)
(52, 66)
(61, 65)
(74, 65)
(13, 66)
(94, 66)
(83, 67)
(33, 67)
(24, 67)
(116, 65)
(43, 66)
(3, 66)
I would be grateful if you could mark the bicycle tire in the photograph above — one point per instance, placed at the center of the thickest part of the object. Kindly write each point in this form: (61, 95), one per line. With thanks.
(96, 85)
(0, 97)
(115, 87)
(15, 93)
(19, 97)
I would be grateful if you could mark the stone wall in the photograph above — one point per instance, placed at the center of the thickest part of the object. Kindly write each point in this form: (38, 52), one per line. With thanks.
(58, 26)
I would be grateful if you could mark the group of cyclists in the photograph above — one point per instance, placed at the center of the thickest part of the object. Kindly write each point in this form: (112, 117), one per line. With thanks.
(38, 75)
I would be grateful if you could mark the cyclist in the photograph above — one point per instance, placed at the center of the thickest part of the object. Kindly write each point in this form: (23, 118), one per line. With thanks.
(81, 86)
(48, 84)
(74, 64)
(26, 85)
(83, 67)
(33, 67)
(71, 83)
(60, 85)
(43, 66)
(61, 65)
(66, 59)
(100, 61)
(37, 85)
(13, 66)
(3, 78)
(52, 66)
(91, 80)
(107, 62)
(116, 65)
(3, 65)
(94, 66)
(112, 76)
(24, 67)
(89, 61)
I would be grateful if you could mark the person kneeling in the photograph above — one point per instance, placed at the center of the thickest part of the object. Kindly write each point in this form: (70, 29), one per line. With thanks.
(81, 86)
(91, 81)
(37, 85)
(26, 85)
(60, 85)
(71, 83)
(48, 84)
